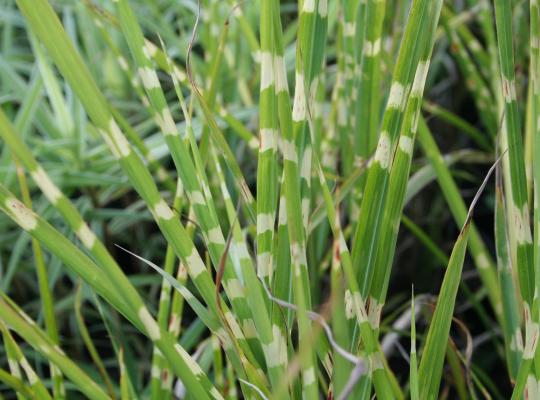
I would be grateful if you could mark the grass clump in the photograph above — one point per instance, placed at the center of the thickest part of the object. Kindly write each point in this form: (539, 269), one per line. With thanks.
(210, 195)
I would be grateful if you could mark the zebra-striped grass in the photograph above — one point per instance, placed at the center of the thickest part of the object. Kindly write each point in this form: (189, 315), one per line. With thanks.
(517, 211)
(161, 377)
(72, 216)
(370, 218)
(260, 327)
(368, 96)
(273, 78)
(96, 107)
(161, 210)
(396, 187)
(32, 334)
(510, 313)
(399, 170)
(291, 189)
(91, 273)
(353, 299)
(12, 359)
(351, 30)
(269, 336)
(153, 164)
(534, 100)
(535, 123)
(310, 53)
(193, 180)
(224, 69)
(18, 362)
(516, 191)
(45, 291)
(485, 17)
(474, 81)
(16, 384)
